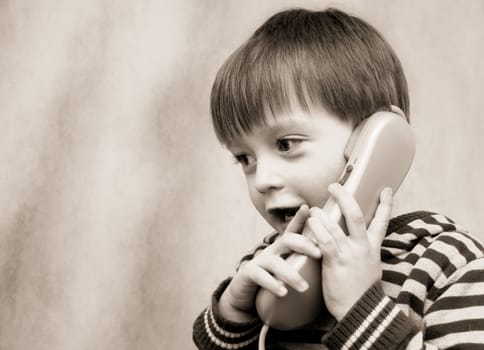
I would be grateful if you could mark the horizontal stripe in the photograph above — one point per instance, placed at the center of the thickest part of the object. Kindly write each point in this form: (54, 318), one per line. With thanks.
(456, 332)
(462, 248)
(401, 221)
(467, 346)
(432, 229)
(418, 232)
(441, 218)
(412, 301)
(464, 281)
(440, 221)
(409, 236)
(440, 263)
(449, 249)
(394, 277)
(417, 289)
(471, 289)
(454, 315)
(461, 326)
(402, 267)
(449, 303)
(402, 255)
(470, 242)
(400, 245)
(390, 259)
(422, 277)
(473, 276)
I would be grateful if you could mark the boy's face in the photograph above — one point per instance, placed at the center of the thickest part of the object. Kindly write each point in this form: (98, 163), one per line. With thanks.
(291, 160)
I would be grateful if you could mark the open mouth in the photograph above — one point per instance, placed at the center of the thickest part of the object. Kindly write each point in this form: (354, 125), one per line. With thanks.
(284, 214)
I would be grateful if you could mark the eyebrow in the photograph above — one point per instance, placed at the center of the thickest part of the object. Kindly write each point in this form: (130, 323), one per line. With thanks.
(276, 126)
(283, 123)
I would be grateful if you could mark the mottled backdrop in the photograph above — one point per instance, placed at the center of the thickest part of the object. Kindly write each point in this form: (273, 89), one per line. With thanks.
(120, 213)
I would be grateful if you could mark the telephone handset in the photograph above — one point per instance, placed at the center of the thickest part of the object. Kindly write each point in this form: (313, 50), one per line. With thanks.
(379, 154)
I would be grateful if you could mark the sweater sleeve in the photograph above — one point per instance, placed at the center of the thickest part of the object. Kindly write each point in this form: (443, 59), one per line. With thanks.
(212, 331)
(454, 320)
(374, 322)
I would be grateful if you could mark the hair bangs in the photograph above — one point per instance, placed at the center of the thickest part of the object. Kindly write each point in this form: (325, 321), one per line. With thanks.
(253, 85)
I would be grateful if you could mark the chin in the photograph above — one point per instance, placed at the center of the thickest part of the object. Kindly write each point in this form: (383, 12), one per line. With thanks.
(279, 227)
(276, 226)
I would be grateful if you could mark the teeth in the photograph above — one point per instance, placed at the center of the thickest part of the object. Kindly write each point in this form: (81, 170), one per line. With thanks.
(288, 217)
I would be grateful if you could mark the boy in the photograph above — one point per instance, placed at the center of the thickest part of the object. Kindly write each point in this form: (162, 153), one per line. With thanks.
(285, 104)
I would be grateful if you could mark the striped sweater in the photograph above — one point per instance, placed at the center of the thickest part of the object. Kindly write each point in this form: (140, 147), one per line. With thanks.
(431, 297)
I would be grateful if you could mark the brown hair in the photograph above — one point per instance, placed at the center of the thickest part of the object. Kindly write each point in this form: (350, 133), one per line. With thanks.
(320, 57)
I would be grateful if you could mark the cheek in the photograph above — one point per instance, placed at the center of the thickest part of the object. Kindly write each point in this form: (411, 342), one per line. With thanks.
(256, 198)
(315, 183)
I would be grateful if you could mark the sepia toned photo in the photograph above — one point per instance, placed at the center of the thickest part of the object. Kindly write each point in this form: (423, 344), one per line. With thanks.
(241, 174)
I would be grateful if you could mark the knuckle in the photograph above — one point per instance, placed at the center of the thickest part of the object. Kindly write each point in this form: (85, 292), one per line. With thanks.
(315, 212)
(287, 239)
(250, 268)
(331, 225)
(357, 219)
(314, 223)
(289, 274)
(325, 240)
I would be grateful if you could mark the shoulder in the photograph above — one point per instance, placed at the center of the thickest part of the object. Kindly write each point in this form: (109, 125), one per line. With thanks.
(428, 261)
(432, 242)
(424, 230)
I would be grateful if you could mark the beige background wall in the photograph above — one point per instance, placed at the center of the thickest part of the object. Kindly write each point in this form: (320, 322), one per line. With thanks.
(120, 213)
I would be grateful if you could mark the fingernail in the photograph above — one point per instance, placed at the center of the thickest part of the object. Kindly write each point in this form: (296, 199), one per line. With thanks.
(281, 291)
(314, 211)
(302, 286)
(303, 207)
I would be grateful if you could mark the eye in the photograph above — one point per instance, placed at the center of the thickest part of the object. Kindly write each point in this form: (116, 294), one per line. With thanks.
(244, 159)
(287, 144)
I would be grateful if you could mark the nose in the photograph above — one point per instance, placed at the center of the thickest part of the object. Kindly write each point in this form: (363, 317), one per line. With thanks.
(267, 176)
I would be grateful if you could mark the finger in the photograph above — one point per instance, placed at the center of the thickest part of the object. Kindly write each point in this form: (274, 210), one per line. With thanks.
(293, 242)
(296, 225)
(264, 279)
(355, 221)
(379, 224)
(282, 271)
(330, 226)
(326, 243)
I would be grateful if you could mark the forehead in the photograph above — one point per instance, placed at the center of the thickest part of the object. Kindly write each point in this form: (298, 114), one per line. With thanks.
(311, 122)
(272, 123)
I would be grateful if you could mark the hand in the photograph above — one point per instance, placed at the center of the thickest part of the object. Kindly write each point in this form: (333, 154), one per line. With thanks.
(351, 264)
(268, 270)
